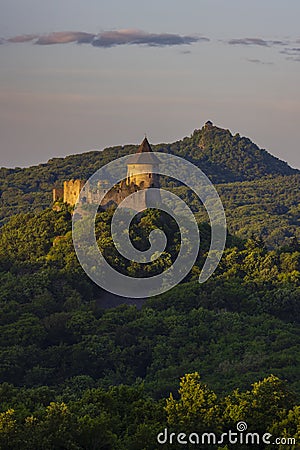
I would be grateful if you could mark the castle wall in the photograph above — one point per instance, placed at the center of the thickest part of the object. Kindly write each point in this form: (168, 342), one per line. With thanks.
(72, 190)
(135, 181)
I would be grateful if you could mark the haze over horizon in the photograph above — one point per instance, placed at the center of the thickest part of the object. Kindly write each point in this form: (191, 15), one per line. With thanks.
(77, 76)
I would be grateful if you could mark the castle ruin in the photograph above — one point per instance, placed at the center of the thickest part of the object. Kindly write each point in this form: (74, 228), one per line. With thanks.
(142, 161)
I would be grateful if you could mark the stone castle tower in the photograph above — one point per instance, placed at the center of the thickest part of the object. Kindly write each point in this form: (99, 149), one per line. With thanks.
(69, 193)
(142, 161)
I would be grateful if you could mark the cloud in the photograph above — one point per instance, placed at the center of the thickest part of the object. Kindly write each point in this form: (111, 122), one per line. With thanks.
(278, 42)
(291, 51)
(109, 39)
(137, 37)
(60, 37)
(65, 37)
(259, 61)
(248, 41)
(255, 41)
(23, 38)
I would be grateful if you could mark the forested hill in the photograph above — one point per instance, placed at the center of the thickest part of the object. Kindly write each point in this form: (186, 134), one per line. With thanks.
(75, 375)
(227, 158)
(223, 157)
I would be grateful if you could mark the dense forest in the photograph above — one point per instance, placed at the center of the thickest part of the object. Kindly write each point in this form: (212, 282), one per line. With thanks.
(77, 375)
(198, 359)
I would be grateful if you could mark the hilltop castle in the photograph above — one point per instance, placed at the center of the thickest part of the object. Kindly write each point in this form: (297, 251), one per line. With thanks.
(144, 160)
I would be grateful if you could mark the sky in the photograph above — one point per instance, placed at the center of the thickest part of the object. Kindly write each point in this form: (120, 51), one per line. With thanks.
(78, 75)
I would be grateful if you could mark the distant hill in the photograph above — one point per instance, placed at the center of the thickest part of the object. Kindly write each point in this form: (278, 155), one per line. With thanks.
(224, 157)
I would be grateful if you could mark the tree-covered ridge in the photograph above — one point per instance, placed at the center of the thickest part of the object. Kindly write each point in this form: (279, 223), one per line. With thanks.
(267, 205)
(269, 208)
(30, 189)
(234, 158)
(223, 157)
